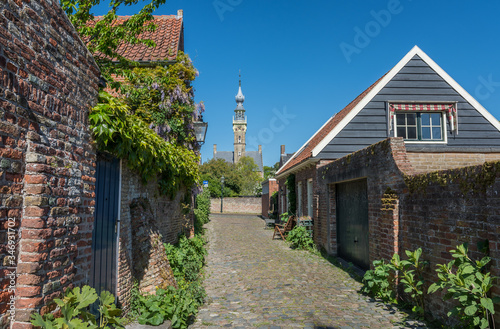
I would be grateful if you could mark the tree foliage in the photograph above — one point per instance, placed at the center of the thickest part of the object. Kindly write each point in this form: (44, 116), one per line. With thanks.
(270, 172)
(239, 179)
(126, 136)
(103, 36)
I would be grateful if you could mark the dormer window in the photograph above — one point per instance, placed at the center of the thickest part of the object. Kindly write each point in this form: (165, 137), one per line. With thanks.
(424, 123)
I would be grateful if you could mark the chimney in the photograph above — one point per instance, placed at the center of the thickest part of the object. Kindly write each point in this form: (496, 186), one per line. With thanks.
(180, 12)
(260, 148)
(282, 149)
(215, 149)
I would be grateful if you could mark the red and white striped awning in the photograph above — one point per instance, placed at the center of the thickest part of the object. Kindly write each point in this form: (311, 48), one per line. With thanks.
(449, 109)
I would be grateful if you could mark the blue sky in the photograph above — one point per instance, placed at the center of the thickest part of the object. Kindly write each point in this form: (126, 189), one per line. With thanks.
(303, 61)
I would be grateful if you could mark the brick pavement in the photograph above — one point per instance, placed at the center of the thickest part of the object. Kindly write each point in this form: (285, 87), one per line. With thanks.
(254, 282)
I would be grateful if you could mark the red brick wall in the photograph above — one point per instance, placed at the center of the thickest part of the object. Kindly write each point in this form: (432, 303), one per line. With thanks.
(443, 214)
(268, 188)
(237, 205)
(427, 162)
(447, 209)
(158, 219)
(48, 82)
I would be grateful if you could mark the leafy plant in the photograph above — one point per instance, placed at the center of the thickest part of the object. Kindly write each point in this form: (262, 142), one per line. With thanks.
(300, 239)
(379, 282)
(284, 217)
(468, 283)
(410, 275)
(126, 136)
(179, 305)
(75, 314)
(187, 257)
(202, 210)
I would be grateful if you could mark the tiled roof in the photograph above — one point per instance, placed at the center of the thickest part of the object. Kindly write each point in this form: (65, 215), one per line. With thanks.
(306, 152)
(167, 36)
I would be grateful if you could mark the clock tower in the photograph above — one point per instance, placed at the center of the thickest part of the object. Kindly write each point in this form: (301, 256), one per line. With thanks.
(239, 126)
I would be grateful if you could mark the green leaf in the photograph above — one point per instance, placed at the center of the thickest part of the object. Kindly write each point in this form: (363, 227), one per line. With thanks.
(470, 310)
(487, 303)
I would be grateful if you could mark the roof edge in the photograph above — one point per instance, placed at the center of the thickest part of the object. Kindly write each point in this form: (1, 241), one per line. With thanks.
(298, 167)
(388, 77)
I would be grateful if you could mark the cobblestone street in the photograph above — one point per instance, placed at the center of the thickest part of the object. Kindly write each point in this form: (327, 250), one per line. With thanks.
(253, 281)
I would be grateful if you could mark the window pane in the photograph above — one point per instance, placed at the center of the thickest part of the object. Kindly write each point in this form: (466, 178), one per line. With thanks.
(436, 133)
(401, 132)
(412, 133)
(411, 119)
(400, 119)
(436, 119)
(426, 133)
(426, 119)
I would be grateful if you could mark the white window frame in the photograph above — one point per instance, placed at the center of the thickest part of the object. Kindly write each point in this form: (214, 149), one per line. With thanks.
(443, 120)
(299, 199)
(310, 198)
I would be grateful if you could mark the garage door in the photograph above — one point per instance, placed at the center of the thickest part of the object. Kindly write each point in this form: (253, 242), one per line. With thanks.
(352, 222)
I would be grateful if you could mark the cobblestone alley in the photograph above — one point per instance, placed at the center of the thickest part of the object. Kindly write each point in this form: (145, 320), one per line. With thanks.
(255, 282)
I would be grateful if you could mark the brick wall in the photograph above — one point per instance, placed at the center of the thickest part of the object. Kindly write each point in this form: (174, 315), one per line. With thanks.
(48, 82)
(443, 214)
(268, 188)
(427, 162)
(238, 205)
(148, 218)
(435, 211)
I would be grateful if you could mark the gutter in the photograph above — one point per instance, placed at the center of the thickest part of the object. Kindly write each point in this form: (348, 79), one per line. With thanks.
(309, 162)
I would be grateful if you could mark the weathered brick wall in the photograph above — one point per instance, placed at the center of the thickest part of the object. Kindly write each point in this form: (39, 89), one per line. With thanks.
(238, 205)
(427, 162)
(463, 206)
(148, 217)
(380, 164)
(268, 188)
(447, 208)
(48, 82)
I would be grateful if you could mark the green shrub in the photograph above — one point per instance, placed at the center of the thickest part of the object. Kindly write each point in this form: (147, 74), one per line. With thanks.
(410, 275)
(180, 305)
(187, 257)
(202, 210)
(378, 282)
(177, 305)
(381, 281)
(292, 196)
(75, 311)
(300, 239)
(467, 282)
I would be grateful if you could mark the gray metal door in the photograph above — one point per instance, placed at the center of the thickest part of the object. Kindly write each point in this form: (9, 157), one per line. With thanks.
(352, 223)
(104, 234)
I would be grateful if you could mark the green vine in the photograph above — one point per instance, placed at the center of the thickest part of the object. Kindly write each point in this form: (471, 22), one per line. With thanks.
(292, 196)
(126, 136)
(470, 179)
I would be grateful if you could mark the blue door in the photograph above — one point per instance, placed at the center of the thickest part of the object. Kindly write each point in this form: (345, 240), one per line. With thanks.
(104, 234)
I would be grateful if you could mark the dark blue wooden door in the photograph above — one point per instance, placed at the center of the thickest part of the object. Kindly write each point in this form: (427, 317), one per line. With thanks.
(104, 235)
(352, 223)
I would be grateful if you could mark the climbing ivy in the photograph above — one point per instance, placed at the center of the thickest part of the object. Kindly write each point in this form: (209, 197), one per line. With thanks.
(292, 197)
(117, 131)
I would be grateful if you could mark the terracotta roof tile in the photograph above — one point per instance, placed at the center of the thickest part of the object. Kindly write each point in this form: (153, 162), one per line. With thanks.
(167, 36)
(306, 153)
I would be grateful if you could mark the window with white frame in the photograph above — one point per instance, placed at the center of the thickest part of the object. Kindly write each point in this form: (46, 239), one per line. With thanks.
(299, 199)
(423, 122)
(420, 126)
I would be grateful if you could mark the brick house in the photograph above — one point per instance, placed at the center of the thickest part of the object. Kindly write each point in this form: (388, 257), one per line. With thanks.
(443, 127)
(49, 81)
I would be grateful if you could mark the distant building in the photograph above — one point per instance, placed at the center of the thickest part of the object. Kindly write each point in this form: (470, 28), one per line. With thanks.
(239, 130)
